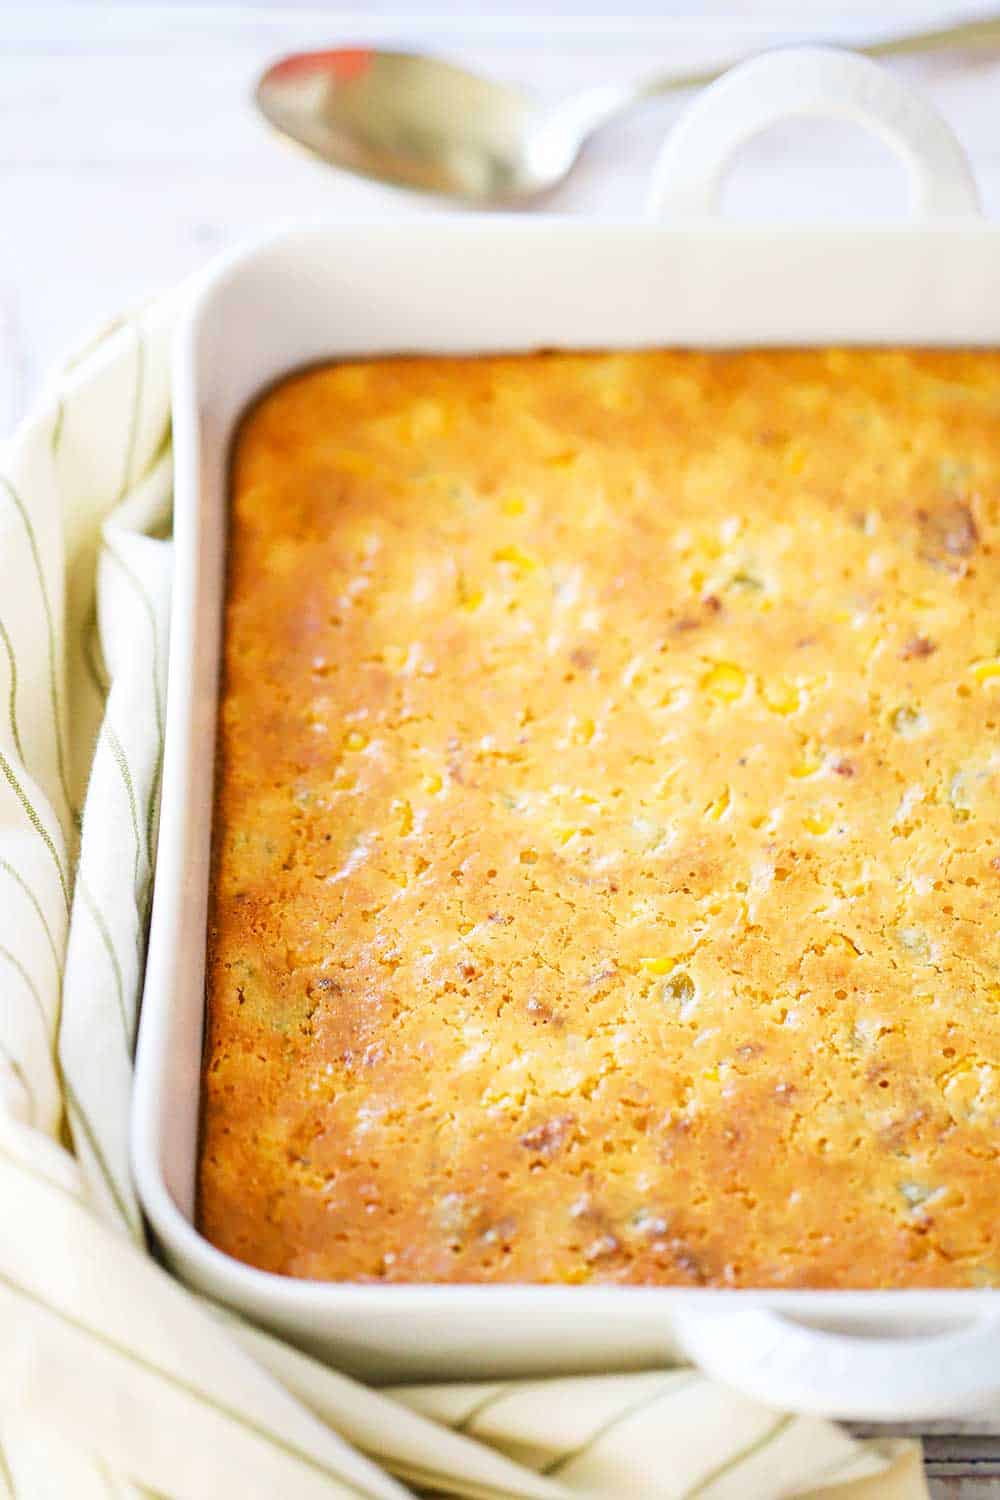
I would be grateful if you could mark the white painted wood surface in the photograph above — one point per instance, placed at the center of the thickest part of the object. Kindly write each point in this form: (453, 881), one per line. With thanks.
(129, 155)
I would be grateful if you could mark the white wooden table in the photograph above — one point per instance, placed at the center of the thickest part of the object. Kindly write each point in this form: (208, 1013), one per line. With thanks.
(129, 155)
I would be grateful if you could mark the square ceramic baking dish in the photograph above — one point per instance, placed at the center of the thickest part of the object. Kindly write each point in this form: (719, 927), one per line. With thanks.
(463, 284)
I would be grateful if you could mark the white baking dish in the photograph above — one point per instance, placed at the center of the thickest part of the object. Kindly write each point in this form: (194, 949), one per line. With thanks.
(467, 284)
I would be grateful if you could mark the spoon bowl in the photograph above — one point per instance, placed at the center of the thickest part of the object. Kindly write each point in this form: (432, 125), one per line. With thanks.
(416, 122)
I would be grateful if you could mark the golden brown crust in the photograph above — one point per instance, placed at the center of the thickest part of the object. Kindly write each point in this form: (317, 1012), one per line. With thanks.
(606, 853)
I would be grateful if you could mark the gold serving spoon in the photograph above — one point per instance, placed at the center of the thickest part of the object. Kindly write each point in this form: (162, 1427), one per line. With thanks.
(421, 123)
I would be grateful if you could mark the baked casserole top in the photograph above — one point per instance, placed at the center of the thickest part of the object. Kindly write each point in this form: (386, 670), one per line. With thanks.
(606, 847)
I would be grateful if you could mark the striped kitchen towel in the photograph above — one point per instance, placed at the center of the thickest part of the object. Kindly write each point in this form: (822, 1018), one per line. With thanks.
(115, 1380)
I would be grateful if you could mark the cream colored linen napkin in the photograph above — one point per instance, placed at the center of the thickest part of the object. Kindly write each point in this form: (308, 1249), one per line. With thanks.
(115, 1380)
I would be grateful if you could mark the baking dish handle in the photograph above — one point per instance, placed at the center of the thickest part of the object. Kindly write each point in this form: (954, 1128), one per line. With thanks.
(809, 81)
(784, 1363)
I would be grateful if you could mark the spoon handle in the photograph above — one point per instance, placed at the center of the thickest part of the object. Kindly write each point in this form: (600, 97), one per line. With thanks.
(982, 31)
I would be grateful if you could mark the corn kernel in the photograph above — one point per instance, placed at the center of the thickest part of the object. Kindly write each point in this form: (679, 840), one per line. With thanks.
(521, 561)
(725, 682)
(818, 822)
(465, 928)
(584, 731)
(720, 806)
(513, 504)
(795, 458)
(469, 597)
(563, 835)
(782, 697)
(710, 1075)
(710, 547)
(432, 784)
(356, 739)
(809, 762)
(657, 966)
(987, 671)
